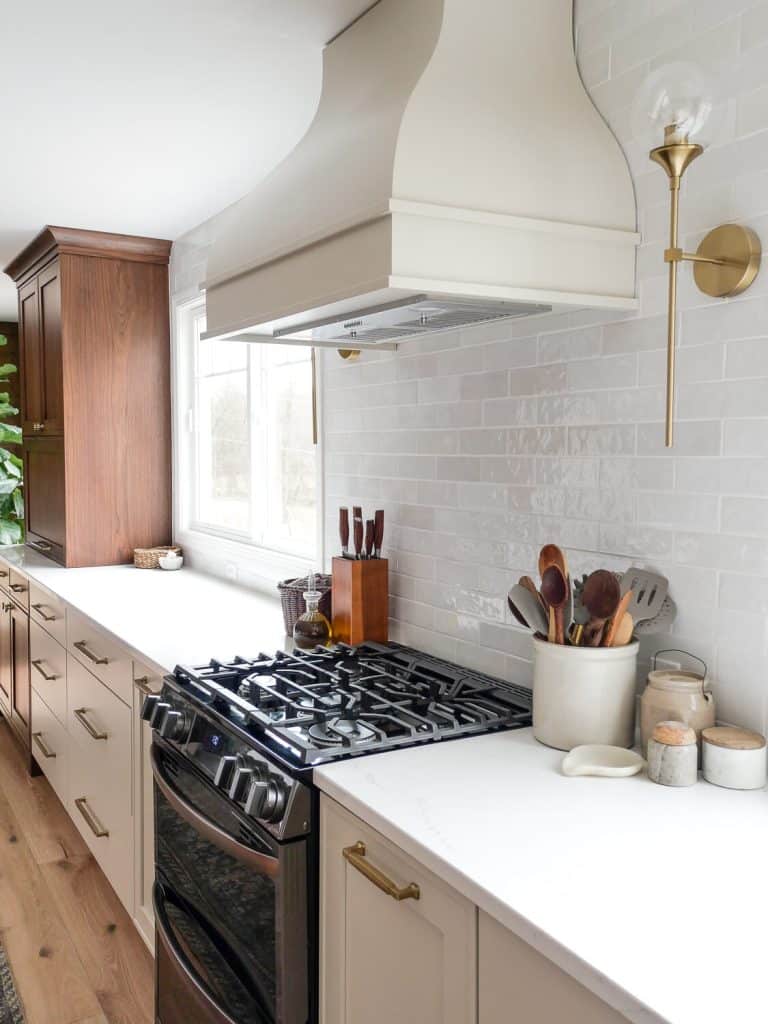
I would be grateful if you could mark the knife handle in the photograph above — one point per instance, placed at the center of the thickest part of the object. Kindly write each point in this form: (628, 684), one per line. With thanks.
(378, 531)
(368, 538)
(357, 526)
(344, 529)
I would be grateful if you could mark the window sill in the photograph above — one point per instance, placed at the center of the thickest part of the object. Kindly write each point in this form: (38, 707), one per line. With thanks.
(245, 564)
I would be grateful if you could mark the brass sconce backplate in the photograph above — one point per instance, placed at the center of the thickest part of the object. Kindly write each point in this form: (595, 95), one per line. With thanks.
(739, 250)
(350, 354)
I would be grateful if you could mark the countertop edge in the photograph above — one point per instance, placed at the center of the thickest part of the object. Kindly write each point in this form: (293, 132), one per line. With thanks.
(580, 970)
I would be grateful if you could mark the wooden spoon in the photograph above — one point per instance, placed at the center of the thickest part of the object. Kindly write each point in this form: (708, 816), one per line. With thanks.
(624, 631)
(554, 589)
(601, 596)
(551, 554)
(609, 636)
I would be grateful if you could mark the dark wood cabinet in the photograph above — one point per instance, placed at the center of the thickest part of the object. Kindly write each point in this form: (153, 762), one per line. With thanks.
(95, 393)
(6, 657)
(22, 698)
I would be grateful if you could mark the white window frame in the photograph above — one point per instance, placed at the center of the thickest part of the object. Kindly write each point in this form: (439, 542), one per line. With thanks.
(226, 555)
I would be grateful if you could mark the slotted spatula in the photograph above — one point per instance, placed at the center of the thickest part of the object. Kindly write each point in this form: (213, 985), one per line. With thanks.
(648, 592)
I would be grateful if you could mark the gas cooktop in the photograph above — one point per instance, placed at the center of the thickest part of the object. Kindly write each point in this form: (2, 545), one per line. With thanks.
(321, 705)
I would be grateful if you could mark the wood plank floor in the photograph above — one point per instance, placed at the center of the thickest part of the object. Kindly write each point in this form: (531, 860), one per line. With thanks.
(74, 951)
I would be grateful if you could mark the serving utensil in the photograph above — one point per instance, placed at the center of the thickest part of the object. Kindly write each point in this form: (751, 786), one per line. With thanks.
(659, 623)
(609, 635)
(554, 590)
(527, 609)
(527, 582)
(624, 631)
(551, 554)
(649, 590)
(600, 596)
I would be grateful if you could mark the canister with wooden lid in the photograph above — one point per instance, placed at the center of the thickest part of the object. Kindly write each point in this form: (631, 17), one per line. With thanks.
(678, 695)
(734, 758)
(673, 754)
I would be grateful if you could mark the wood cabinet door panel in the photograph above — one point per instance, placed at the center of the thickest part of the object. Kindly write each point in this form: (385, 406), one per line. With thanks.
(51, 370)
(44, 495)
(6, 657)
(384, 960)
(30, 356)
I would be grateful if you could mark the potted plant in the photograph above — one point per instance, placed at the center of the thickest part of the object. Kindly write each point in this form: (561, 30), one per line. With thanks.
(11, 498)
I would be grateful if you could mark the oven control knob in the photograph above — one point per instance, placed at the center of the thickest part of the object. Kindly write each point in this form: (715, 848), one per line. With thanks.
(159, 711)
(275, 799)
(149, 705)
(173, 725)
(257, 794)
(224, 769)
(240, 782)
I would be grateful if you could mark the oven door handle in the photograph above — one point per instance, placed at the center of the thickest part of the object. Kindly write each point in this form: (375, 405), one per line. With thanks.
(262, 863)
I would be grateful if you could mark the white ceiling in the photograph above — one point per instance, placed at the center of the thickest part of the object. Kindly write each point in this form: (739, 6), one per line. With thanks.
(149, 117)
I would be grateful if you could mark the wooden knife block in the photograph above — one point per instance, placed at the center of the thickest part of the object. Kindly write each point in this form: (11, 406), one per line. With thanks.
(360, 600)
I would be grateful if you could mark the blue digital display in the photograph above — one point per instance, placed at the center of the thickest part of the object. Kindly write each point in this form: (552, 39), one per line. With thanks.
(213, 742)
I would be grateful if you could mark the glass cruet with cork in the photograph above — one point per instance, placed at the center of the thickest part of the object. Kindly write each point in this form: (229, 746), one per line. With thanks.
(312, 628)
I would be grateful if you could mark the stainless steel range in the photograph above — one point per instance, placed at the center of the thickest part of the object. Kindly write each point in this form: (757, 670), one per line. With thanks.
(236, 810)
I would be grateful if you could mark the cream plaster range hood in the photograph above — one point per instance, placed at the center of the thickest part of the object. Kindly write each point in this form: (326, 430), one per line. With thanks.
(455, 172)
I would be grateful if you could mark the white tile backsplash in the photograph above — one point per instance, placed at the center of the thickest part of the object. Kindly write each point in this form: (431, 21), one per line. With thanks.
(552, 428)
(484, 443)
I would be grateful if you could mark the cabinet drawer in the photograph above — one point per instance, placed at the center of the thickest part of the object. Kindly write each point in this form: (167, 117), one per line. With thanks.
(99, 727)
(5, 577)
(103, 818)
(101, 655)
(48, 610)
(50, 746)
(19, 587)
(48, 670)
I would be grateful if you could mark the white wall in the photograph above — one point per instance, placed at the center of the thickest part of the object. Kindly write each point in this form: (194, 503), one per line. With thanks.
(486, 443)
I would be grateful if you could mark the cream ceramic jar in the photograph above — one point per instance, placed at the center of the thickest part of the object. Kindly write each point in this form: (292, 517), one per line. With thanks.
(677, 696)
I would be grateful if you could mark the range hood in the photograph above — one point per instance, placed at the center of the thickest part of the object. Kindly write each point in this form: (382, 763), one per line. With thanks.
(455, 172)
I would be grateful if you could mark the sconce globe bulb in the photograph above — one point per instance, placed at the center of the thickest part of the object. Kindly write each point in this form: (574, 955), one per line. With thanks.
(672, 105)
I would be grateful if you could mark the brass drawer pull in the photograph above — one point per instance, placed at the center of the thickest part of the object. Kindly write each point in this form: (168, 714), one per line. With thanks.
(82, 646)
(18, 588)
(80, 714)
(142, 685)
(37, 427)
(42, 545)
(46, 618)
(7, 606)
(356, 857)
(3, 573)
(37, 663)
(91, 820)
(38, 738)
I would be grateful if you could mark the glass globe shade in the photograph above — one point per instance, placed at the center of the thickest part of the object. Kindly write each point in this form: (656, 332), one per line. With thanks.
(675, 97)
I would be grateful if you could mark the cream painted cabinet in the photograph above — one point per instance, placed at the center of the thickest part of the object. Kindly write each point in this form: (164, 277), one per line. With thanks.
(145, 681)
(517, 985)
(382, 959)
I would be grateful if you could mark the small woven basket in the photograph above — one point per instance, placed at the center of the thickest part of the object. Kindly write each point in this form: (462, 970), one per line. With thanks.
(149, 558)
(294, 605)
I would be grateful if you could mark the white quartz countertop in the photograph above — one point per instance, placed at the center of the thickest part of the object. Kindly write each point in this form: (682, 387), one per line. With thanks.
(654, 898)
(165, 618)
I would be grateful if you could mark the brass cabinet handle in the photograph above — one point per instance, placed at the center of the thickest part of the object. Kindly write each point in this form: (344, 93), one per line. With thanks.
(37, 664)
(37, 427)
(7, 606)
(38, 738)
(82, 646)
(91, 820)
(142, 685)
(46, 618)
(80, 714)
(42, 545)
(18, 588)
(3, 573)
(356, 857)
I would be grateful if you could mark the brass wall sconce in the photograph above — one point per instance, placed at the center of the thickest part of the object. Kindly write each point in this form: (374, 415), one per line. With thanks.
(728, 258)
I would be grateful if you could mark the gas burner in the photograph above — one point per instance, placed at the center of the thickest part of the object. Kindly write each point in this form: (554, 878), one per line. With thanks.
(350, 731)
(316, 706)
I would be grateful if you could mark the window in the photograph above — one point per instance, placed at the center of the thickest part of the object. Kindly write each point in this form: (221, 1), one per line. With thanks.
(246, 462)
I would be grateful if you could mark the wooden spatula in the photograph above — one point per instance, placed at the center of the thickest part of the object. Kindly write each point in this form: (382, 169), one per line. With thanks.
(609, 636)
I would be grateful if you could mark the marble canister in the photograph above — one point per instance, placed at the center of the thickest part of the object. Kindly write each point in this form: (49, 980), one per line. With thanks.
(673, 754)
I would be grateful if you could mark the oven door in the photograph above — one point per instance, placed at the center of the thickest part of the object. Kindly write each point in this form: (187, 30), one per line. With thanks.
(231, 908)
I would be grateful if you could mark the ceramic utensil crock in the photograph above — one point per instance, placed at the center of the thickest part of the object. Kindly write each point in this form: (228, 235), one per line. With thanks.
(583, 695)
(673, 754)
(734, 758)
(680, 696)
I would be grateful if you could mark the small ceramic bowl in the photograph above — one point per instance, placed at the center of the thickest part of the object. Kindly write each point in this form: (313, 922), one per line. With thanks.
(171, 561)
(599, 759)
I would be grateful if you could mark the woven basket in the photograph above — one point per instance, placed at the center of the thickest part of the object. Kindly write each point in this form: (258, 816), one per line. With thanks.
(294, 605)
(149, 558)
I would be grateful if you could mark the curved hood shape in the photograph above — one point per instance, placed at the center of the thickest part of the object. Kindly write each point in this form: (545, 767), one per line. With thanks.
(456, 171)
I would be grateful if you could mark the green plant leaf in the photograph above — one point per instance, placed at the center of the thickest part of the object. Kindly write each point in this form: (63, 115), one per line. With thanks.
(18, 503)
(6, 369)
(7, 410)
(3, 340)
(10, 434)
(10, 532)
